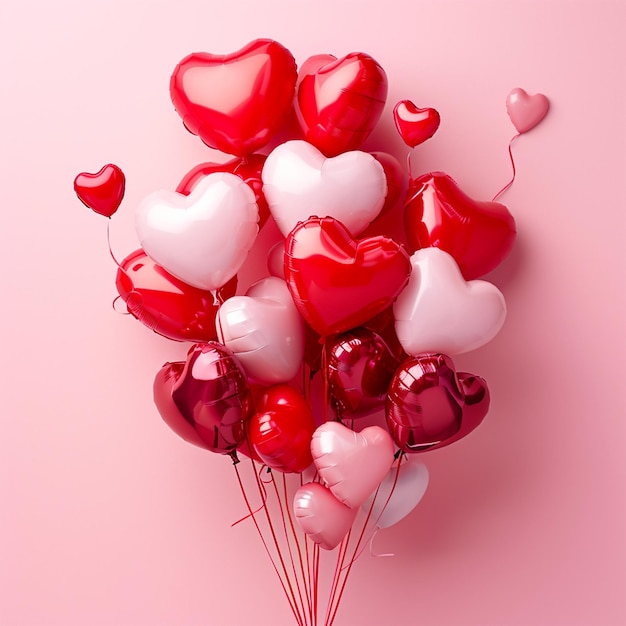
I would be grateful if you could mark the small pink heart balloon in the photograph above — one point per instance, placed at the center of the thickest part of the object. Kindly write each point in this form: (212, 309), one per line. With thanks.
(526, 111)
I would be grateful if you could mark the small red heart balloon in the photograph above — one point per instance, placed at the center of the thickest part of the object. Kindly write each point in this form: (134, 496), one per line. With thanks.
(167, 305)
(235, 102)
(248, 169)
(281, 430)
(479, 235)
(101, 192)
(415, 125)
(205, 400)
(337, 282)
(430, 406)
(339, 101)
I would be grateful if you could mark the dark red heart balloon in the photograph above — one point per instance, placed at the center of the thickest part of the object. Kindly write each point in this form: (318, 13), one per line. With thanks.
(101, 192)
(479, 235)
(339, 283)
(235, 102)
(281, 430)
(167, 305)
(415, 125)
(339, 101)
(430, 406)
(205, 400)
(360, 368)
(248, 169)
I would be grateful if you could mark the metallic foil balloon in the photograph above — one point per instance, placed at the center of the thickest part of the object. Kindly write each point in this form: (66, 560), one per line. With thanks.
(430, 406)
(415, 125)
(338, 283)
(281, 429)
(339, 101)
(360, 368)
(101, 192)
(207, 396)
(235, 102)
(526, 111)
(167, 305)
(479, 235)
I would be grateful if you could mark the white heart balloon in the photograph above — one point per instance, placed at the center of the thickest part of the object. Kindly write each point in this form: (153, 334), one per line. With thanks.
(300, 182)
(264, 330)
(439, 311)
(203, 238)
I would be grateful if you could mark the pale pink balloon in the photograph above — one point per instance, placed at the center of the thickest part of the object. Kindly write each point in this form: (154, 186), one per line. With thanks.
(439, 311)
(351, 464)
(276, 260)
(203, 238)
(399, 493)
(526, 111)
(321, 516)
(300, 182)
(264, 330)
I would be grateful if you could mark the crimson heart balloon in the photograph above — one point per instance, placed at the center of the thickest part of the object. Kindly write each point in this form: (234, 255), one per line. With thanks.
(281, 430)
(360, 368)
(206, 400)
(339, 101)
(415, 125)
(248, 169)
(337, 282)
(235, 102)
(479, 235)
(430, 406)
(101, 192)
(167, 305)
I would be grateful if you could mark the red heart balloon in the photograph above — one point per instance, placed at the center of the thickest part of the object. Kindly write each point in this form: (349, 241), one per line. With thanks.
(415, 125)
(101, 192)
(248, 169)
(339, 101)
(479, 235)
(165, 304)
(338, 283)
(430, 406)
(205, 400)
(281, 430)
(235, 102)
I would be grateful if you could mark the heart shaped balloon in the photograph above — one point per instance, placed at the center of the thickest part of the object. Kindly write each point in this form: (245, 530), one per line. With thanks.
(479, 235)
(415, 125)
(338, 283)
(321, 516)
(248, 169)
(206, 400)
(235, 102)
(430, 406)
(281, 429)
(439, 311)
(339, 102)
(264, 330)
(167, 305)
(203, 238)
(101, 192)
(299, 182)
(351, 464)
(526, 111)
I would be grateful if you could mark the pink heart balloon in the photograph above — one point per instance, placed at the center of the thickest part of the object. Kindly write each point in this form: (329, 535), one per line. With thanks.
(351, 464)
(264, 330)
(300, 182)
(321, 516)
(203, 238)
(526, 111)
(439, 311)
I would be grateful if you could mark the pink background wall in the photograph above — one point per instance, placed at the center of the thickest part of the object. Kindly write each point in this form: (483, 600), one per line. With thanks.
(108, 518)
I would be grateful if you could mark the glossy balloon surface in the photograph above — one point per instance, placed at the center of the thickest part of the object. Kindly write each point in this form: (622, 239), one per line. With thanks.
(103, 191)
(526, 111)
(415, 125)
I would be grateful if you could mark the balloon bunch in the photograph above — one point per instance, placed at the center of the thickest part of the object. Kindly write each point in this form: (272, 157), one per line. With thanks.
(334, 370)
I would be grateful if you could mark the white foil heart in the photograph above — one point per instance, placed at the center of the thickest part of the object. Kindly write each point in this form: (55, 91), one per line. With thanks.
(300, 182)
(264, 330)
(203, 238)
(439, 311)
(351, 464)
